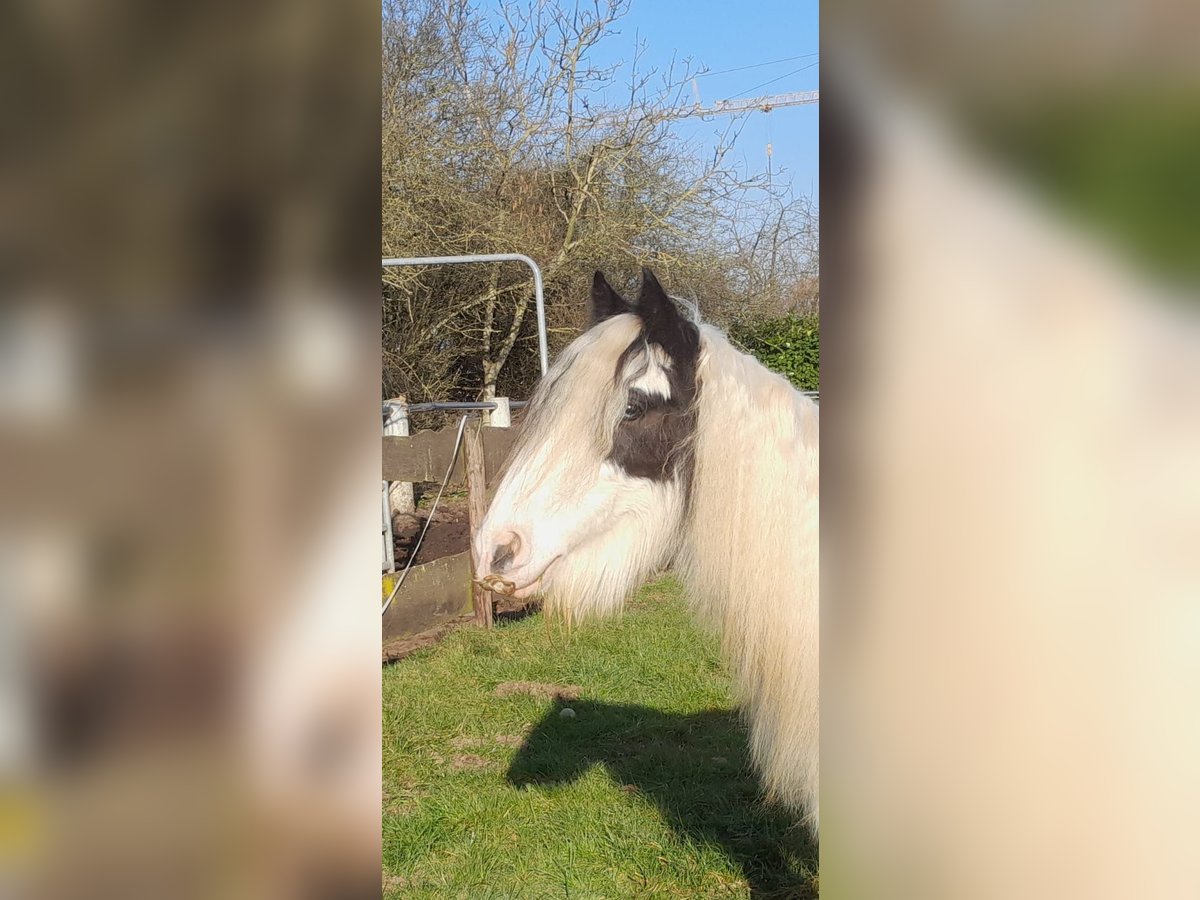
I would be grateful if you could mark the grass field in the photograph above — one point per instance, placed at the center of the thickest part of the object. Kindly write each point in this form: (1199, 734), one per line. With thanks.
(646, 792)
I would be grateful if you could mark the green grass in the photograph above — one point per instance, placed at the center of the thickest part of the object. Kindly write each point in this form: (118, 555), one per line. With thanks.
(646, 792)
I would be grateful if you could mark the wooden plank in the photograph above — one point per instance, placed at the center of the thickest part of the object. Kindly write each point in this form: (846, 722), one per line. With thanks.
(432, 594)
(476, 508)
(425, 455)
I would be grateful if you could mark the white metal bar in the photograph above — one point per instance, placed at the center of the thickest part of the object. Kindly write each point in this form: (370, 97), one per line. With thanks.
(539, 300)
(395, 424)
(765, 103)
(389, 558)
(502, 414)
(762, 104)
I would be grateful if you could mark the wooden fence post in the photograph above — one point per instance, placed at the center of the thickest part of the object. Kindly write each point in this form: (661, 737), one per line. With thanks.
(476, 509)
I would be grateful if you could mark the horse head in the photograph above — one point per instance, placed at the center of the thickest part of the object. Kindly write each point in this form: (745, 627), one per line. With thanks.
(596, 487)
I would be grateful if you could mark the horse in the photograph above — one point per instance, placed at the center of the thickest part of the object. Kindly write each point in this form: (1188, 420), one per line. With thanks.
(653, 441)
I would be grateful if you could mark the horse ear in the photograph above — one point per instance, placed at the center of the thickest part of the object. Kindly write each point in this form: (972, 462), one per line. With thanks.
(605, 302)
(663, 325)
(654, 307)
(653, 300)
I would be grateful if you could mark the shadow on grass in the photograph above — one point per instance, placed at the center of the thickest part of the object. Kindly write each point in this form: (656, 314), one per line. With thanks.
(694, 768)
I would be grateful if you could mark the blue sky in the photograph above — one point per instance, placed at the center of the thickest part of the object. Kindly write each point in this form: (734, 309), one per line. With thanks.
(722, 35)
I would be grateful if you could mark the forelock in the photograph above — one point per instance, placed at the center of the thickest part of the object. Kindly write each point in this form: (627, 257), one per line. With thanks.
(578, 392)
(647, 368)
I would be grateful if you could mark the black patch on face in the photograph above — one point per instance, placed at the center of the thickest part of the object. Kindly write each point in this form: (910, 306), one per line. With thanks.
(655, 440)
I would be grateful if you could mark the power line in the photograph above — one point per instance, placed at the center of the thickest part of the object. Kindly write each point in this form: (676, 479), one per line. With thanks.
(773, 80)
(773, 62)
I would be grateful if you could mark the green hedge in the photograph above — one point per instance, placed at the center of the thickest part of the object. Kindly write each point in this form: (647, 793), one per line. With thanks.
(790, 345)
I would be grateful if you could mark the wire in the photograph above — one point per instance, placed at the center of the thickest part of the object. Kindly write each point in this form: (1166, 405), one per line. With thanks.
(462, 423)
(772, 81)
(773, 62)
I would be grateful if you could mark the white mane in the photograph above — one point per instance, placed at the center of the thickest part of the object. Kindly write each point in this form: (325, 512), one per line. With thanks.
(750, 556)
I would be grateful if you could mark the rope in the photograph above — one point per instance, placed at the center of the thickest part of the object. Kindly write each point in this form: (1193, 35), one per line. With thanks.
(462, 424)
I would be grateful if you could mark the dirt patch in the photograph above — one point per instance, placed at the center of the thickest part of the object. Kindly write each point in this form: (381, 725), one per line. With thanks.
(539, 689)
(504, 740)
(394, 882)
(449, 533)
(508, 609)
(404, 800)
(469, 761)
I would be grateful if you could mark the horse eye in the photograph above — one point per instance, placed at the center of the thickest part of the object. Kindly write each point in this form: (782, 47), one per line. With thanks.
(632, 411)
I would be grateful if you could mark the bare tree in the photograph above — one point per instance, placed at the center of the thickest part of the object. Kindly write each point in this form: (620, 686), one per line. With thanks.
(502, 135)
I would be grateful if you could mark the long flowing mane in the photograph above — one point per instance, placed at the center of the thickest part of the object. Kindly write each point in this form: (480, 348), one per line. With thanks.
(750, 555)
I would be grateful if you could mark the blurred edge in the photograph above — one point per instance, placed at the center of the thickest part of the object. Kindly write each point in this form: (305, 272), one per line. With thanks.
(189, 329)
(189, 236)
(1011, 429)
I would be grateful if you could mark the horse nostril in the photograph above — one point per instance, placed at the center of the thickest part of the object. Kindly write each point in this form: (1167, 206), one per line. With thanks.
(504, 554)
